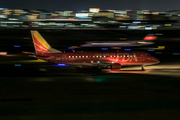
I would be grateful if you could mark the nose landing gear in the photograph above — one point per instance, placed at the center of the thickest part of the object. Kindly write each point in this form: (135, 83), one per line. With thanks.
(142, 68)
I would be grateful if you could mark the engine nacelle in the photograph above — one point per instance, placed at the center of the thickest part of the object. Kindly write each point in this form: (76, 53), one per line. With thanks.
(116, 67)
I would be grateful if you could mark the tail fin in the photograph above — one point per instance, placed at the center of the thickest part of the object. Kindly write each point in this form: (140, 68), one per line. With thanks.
(40, 44)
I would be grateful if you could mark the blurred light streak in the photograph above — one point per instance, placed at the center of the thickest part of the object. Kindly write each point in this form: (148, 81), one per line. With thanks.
(62, 65)
(158, 52)
(116, 47)
(150, 38)
(3, 53)
(148, 28)
(43, 70)
(17, 46)
(161, 47)
(136, 22)
(70, 48)
(175, 53)
(17, 65)
(128, 71)
(104, 48)
(127, 49)
(151, 50)
(74, 46)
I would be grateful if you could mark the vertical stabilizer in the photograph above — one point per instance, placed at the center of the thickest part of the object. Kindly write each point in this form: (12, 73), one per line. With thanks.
(40, 44)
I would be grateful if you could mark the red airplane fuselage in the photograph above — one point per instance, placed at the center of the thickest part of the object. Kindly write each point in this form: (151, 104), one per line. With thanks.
(123, 58)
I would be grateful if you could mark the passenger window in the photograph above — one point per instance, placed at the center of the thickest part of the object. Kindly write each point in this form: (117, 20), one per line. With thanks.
(86, 56)
(79, 56)
(76, 56)
(72, 56)
(69, 56)
(97, 56)
(83, 56)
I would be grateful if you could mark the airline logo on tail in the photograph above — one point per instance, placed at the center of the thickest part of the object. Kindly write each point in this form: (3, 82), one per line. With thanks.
(40, 44)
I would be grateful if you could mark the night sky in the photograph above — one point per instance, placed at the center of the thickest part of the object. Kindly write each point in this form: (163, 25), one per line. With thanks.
(76, 5)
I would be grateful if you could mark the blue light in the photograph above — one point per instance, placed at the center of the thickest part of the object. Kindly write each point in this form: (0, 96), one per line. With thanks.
(127, 49)
(62, 65)
(71, 48)
(17, 65)
(151, 50)
(104, 48)
(17, 46)
(175, 53)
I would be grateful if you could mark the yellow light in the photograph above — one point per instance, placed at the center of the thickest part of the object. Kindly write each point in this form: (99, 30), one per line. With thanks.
(161, 47)
(167, 24)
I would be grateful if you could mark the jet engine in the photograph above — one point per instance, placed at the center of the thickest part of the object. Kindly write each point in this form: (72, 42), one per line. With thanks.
(116, 67)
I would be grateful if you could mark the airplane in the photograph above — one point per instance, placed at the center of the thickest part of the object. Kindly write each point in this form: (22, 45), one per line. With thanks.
(100, 60)
(148, 40)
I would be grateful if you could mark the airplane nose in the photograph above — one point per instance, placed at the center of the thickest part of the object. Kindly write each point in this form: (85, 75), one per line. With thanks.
(155, 59)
